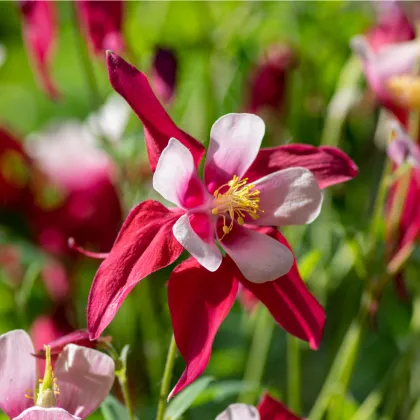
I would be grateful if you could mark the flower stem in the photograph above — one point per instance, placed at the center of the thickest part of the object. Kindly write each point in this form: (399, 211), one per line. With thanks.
(258, 354)
(122, 379)
(293, 374)
(166, 380)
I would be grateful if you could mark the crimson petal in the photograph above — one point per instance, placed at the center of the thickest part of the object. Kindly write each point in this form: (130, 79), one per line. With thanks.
(39, 25)
(144, 244)
(199, 301)
(329, 164)
(102, 23)
(134, 87)
(289, 301)
(272, 409)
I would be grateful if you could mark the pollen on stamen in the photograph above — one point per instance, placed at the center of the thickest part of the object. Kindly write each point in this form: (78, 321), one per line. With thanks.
(215, 211)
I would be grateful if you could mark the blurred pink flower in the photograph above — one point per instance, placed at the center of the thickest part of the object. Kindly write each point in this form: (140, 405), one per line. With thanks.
(388, 52)
(164, 73)
(77, 198)
(101, 21)
(39, 25)
(268, 409)
(84, 379)
(402, 149)
(267, 84)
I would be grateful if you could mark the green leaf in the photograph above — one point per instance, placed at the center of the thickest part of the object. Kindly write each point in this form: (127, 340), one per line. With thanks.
(112, 409)
(180, 404)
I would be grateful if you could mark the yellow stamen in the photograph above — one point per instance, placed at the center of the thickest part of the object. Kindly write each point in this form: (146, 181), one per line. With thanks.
(406, 90)
(48, 387)
(239, 200)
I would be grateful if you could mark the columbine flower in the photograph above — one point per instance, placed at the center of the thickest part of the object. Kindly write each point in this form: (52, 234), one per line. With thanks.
(402, 148)
(81, 380)
(388, 54)
(199, 299)
(268, 409)
(39, 25)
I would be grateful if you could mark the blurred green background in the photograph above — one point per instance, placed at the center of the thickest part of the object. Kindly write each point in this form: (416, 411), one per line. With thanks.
(218, 45)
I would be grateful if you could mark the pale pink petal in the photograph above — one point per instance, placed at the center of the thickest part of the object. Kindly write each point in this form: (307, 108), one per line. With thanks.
(85, 377)
(259, 257)
(239, 412)
(40, 413)
(17, 372)
(176, 177)
(234, 143)
(204, 250)
(288, 197)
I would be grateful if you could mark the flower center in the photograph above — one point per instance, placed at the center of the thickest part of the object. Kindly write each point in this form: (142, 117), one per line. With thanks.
(240, 199)
(48, 388)
(405, 89)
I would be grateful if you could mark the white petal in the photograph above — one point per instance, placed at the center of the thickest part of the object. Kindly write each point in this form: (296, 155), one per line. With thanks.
(85, 377)
(259, 257)
(40, 413)
(205, 252)
(176, 178)
(288, 197)
(17, 372)
(239, 412)
(234, 143)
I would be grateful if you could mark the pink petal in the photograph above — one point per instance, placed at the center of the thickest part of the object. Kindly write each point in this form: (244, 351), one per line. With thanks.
(39, 23)
(288, 197)
(133, 86)
(199, 301)
(85, 377)
(290, 302)
(17, 372)
(239, 412)
(329, 165)
(272, 409)
(205, 252)
(40, 413)
(260, 258)
(176, 178)
(101, 22)
(145, 244)
(403, 149)
(234, 143)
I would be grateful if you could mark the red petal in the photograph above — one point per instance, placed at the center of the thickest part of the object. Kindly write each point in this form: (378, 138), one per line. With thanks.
(199, 301)
(134, 87)
(145, 244)
(289, 301)
(329, 164)
(79, 337)
(39, 31)
(272, 409)
(102, 22)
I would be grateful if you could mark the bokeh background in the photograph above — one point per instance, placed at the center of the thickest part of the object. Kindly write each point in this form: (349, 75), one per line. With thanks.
(291, 63)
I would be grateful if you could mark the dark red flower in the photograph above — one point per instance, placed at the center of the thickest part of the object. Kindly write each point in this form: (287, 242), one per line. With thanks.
(39, 25)
(164, 73)
(267, 84)
(200, 299)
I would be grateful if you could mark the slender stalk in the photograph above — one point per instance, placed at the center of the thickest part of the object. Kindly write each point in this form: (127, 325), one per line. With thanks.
(293, 374)
(166, 380)
(122, 379)
(258, 354)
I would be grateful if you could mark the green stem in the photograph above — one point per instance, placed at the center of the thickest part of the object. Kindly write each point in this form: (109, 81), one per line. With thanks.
(340, 373)
(166, 380)
(293, 374)
(258, 354)
(122, 379)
